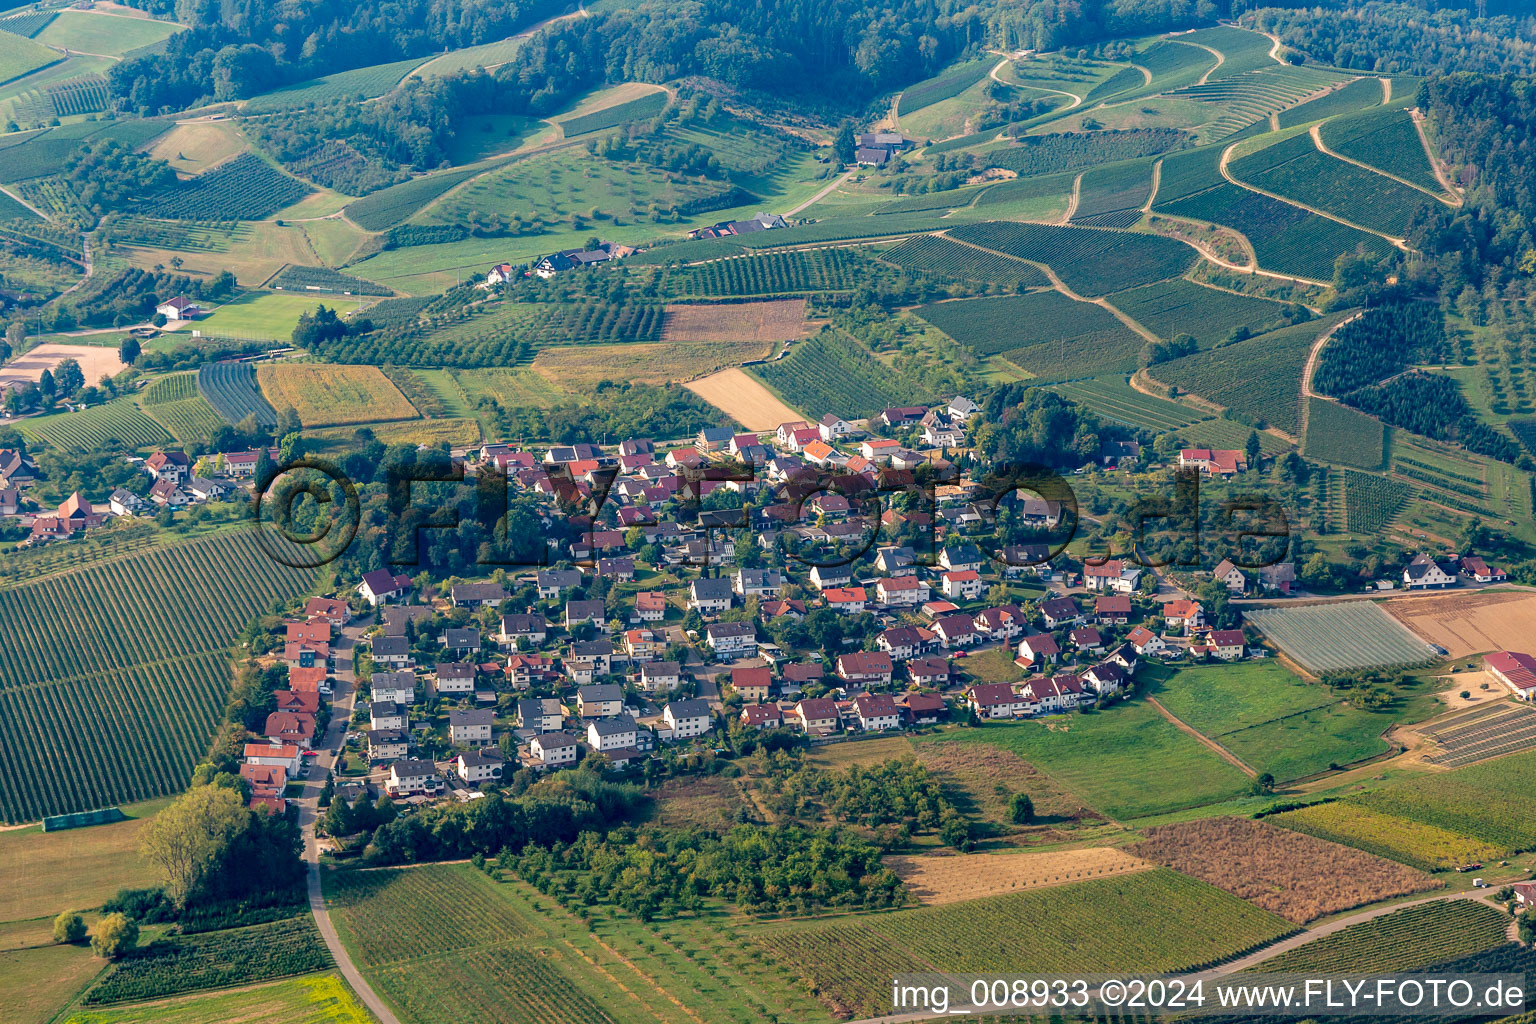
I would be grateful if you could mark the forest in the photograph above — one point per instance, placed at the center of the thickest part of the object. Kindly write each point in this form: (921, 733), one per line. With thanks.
(1382, 342)
(1432, 405)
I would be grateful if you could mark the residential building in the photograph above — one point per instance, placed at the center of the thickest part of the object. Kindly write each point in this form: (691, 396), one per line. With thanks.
(541, 714)
(818, 716)
(553, 749)
(660, 676)
(731, 640)
(477, 766)
(687, 718)
(753, 683)
(996, 700)
(470, 727)
(601, 700)
(605, 734)
(382, 586)
(877, 712)
(865, 668)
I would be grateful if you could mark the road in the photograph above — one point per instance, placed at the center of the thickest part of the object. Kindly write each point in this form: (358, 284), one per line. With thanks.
(819, 196)
(309, 810)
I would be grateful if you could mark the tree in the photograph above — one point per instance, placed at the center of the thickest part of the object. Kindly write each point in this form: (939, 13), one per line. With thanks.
(1265, 783)
(115, 935)
(1021, 809)
(69, 928)
(68, 377)
(1526, 926)
(287, 421)
(845, 146)
(290, 448)
(129, 350)
(46, 384)
(186, 837)
(1252, 449)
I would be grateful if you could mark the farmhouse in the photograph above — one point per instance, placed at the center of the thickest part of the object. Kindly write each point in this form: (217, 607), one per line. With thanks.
(1222, 462)
(1515, 670)
(1424, 573)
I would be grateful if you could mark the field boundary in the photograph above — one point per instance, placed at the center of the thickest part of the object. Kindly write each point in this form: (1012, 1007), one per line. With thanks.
(1217, 748)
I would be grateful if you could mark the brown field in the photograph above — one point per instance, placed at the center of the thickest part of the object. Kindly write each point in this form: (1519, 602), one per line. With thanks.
(578, 367)
(96, 362)
(1467, 624)
(700, 802)
(861, 752)
(744, 399)
(327, 396)
(195, 146)
(456, 431)
(774, 320)
(982, 778)
(1297, 876)
(934, 880)
(252, 260)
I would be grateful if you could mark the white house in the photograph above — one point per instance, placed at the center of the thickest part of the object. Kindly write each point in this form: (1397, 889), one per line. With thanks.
(1424, 573)
(730, 640)
(470, 727)
(481, 765)
(276, 755)
(553, 749)
(687, 718)
(616, 733)
(399, 687)
(877, 712)
(660, 676)
(962, 585)
(382, 586)
(409, 778)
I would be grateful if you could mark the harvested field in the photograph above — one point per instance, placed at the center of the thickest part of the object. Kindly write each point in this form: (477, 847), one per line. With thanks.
(744, 399)
(775, 320)
(1277, 869)
(195, 146)
(578, 367)
(1467, 624)
(329, 396)
(96, 361)
(982, 778)
(936, 880)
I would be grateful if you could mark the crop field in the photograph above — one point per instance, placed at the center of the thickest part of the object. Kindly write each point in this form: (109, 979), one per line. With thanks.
(42, 871)
(443, 910)
(115, 424)
(267, 316)
(1033, 155)
(1174, 64)
(44, 152)
(834, 373)
(86, 94)
(462, 390)
(121, 688)
(1490, 801)
(486, 55)
(1276, 868)
(453, 431)
(1337, 637)
(214, 960)
(1296, 169)
(1245, 102)
(1372, 502)
(363, 83)
(1188, 172)
(1244, 51)
(177, 404)
(107, 34)
(1142, 921)
(937, 880)
(1260, 377)
(1271, 719)
(938, 255)
(244, 188)
(952, 82)
(1414, 843)
(948, 199)
(1112, 399)
(1404, 940)
(390, 206)
(1112, 196)
(1358, 95)
(1384, 139)
(231, 389)
(1121, 81)
(324, 279)
(771, 320)
(1043, 332)
(330, 396)
(637, 109)
(744, 398)
(1336, 433)
(504, 333)
(576, 368)
(1469, 623)
(195, 147)
(323, 999)
(769, 273)
(1091, 262)
(21, 56)
(1492, 731)
(1177, 306)
(27, 23)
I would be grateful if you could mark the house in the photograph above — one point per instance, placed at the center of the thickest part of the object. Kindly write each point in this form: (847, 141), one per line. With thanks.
(643, 645)
(1424, 573)
(710, 596)
(1060, 611)
(390, 651)
(1112, 576)
(962, 585)
(956, 631)
(865, 668)
(618, 733)
(17, 470)
(552, 749)
(762, 716)
(1280, 577)
(753, 684)
(388, 745)
(1107, 678)
(1048, 695)
(761, 222)
(399, 687)
(712, 439)
(329, 608)
(551, 583)
(266, 780)
(476, 595)
(579, 613)
(454, 677)
(818, 716)
(1515, 670)
(650, 606)
(996, 700)
(845, 600)
(385, 714)
(929, 671)
(600, 700)
(758, 582)
(903, 642)
(687, 718)
(411, 778)
(168, 493)
(596, 655)
(922, 708)
(303, 701)
(461, 641)
(902, 416)
(1479, 571)
(382, 586)
(1040, 649)
(571, 259)
(1086, 638)
(877, 712)
(202, 489)
(483, 765)
(799, 673)
(470, 727)
(1222, 462)
(1231, 575)
(1144, 642)
(660, 676)
(179, 308)
(896, 561)
(961, 558)
(541, 714)
(523, 670)
(277, 755)
(616, 568)
(1112, 609)
(501, 273)
(793, 610)
(290, 727)
(731, 640)
(824, 576)
(1187, 616)
(530, 627)
(1227, 644)
(122, 502)
(834, 428)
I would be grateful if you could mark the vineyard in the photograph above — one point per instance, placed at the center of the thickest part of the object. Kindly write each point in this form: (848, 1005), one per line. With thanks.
(115, 424)
(1247, 100)
(770, 273)
(505, 984)
(1414, 843)
(938, 255)
(1385, 139)
(244, 188)
(1091, 262)
(1372, 502)
(177, 404)
(27, 23)
(324, 279)
(331, 396)
(84, 95)
(1244, 51)
(214, 960)
(1174, 64)
(231, 389)
(1338, 434)
(363, 83)
(1339, 637)
(637, 109)
(1121, 81)
(952, 82)
(833, 373)
(1404, 940)
(1358, 95)
(1187, 173)
(1260, 377)
(1176, 306)
(1490, 802)
(1033, 155)
(21, 56)
(1144, 921)
(1488, 732)
(1112, 196)
(44, 152)
(1043, 332)
(399, 914)
(120, 688)
(389, 206)
(1112, 399)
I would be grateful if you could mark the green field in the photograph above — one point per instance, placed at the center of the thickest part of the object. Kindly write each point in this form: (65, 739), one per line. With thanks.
(1358, 95)
(118, 423)
(1113, 399)
(120, 689)
(322, 999)
(1328, 638)
(1260, 377)
(107, 34)
(1243, 51)
(1043, 332)
(834, 373)
(389, 206)
(1404, 940)
(1490, 802)
(219, 959)
(1336, 433)
(1112, 196)
(1101, 758)
(771, 273)
(951, 82)
(1209, 315)
(1244, 103)
(938, 255)
(268, 316)
(1091, 262)
(1372, 502)
(1384, 139)
(21, 56)
(636, 109)
(363, 83)
(179, 407)
(1145, 921)
(1419, 845)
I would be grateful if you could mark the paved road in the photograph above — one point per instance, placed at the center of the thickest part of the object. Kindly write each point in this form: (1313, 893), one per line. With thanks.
(309, 810)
